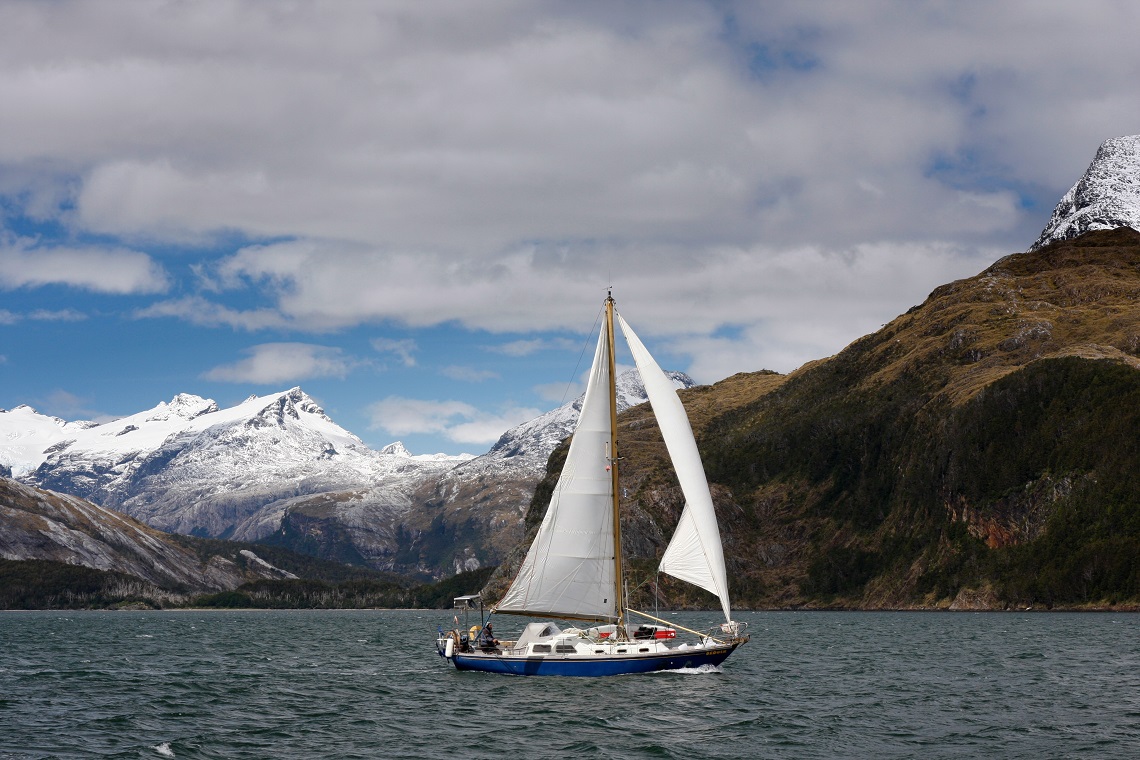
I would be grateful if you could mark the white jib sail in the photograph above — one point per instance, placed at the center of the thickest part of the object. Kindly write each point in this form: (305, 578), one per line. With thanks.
(695, 554)
(569, 570)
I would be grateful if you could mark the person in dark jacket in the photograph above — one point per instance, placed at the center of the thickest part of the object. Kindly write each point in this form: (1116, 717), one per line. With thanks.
(487, 638)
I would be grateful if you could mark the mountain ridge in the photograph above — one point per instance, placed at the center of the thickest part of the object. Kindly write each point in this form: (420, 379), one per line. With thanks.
(964, 454)
(276, 469)
(42, 525)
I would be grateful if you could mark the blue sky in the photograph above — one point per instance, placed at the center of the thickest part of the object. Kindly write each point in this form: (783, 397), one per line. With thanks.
(413, 210)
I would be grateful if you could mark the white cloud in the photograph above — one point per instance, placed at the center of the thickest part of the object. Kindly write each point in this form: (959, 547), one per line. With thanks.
(57, 315)
(465, 132)
(520, 347)
(284, 362)
(458, 421)
(529, 346)
(104, 270)
(826, 295)
(198, 311)
(403, 349)
(761, 183)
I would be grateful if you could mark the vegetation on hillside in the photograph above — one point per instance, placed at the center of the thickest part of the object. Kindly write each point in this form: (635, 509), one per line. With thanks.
(39, 585)
(44, 585)
(971, 450)
(979, 451)
(354, 594)
(297, 563)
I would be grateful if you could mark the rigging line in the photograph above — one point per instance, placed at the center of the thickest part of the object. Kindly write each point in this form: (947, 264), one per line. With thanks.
(578, 364)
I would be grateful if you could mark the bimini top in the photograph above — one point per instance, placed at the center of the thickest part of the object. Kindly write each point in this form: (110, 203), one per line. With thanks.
(468, 601)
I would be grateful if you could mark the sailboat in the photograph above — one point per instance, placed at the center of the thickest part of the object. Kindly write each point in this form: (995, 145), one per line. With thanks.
(573, 570)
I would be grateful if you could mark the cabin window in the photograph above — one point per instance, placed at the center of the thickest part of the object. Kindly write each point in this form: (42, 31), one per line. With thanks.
(599, 651)
(621, 651)
(541, 649)
(643, 649)
(565, 649)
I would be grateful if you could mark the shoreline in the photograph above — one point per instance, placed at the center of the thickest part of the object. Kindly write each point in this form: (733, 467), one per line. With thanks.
(1129, 608)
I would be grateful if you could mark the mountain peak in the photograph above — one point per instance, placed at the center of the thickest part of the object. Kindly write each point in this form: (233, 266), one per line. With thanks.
(1106, 197)
(188, 406)
(396, 449)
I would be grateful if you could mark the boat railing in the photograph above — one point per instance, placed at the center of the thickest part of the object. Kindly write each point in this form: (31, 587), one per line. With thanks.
(732, 632)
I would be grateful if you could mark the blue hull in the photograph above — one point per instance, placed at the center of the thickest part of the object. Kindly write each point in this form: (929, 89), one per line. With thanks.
(554, 665)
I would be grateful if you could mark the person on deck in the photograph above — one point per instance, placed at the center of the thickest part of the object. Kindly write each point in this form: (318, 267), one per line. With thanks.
(487, 638)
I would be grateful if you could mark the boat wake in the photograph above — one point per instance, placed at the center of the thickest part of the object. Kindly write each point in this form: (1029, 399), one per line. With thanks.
(700, 670)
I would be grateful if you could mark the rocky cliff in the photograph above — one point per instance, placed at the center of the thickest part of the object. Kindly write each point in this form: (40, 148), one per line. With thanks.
(41, 525)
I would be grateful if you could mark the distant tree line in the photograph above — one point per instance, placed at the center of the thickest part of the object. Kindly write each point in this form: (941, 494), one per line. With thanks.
(45, 585)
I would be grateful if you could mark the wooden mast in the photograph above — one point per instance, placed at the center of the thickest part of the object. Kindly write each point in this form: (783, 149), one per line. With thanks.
(618, 583)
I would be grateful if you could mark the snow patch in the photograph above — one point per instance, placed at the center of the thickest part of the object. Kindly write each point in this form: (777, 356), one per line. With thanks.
(1106, 197)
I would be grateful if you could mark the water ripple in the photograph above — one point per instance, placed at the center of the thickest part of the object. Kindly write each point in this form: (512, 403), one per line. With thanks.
(236, 685)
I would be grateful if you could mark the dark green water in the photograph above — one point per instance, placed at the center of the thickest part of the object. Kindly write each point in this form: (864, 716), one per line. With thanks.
(369, 685)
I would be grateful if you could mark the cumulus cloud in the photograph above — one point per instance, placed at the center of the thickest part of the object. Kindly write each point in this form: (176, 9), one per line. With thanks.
(104, 270)
(760, 183)
(284, 362)
(442, 129)
(458, 421)
(752, 287)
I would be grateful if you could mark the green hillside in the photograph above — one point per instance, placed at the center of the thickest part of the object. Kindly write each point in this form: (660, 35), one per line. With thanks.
(980, 451)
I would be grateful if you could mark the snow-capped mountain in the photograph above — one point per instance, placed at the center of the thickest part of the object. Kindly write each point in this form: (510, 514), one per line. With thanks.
(25, 434)
(276, 468)
(187, 466)
(1106, 197)
(488, 496)
(531, 442)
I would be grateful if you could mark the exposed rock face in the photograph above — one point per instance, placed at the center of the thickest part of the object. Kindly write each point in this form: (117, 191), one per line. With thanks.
(1106, 197)
(466, 517)
(38, 524)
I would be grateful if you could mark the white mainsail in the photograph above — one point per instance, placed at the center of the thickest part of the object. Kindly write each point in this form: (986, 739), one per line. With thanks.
(695, 554)
(569, 570)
